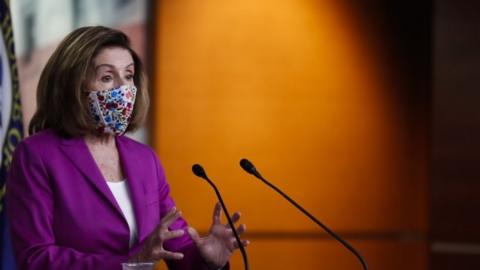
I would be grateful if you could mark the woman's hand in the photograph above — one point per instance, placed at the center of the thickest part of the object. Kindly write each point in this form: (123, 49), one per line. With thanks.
(153, 249)
(217, 247)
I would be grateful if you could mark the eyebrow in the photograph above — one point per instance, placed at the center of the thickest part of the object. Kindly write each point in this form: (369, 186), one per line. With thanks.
(110, 66)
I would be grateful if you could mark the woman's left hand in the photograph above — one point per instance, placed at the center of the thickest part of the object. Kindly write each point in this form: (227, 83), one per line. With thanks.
(217, 247)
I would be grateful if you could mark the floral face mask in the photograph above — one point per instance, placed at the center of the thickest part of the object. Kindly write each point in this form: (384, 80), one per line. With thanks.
(111, 109)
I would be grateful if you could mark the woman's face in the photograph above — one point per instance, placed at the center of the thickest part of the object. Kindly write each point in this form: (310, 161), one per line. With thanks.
(112, 67)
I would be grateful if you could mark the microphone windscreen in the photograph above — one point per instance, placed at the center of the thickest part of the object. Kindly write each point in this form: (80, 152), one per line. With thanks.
(198, 170)
(247, 166)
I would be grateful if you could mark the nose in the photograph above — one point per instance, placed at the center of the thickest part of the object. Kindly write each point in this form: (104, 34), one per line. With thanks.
(119, 81)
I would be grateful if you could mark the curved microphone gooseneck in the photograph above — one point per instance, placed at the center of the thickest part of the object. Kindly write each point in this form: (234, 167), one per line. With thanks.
(249, 168)
(200, 172)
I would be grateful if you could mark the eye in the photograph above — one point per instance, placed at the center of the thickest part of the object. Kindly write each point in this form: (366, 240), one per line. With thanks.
(129, 77)
(106, 79)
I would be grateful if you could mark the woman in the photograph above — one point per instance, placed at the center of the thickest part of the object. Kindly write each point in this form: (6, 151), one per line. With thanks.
(82, 196)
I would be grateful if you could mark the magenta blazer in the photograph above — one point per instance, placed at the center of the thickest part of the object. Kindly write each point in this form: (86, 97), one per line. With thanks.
(63, 215)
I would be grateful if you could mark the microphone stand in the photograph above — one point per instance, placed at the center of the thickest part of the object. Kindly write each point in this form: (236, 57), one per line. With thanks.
(200, 172)
(250, 168)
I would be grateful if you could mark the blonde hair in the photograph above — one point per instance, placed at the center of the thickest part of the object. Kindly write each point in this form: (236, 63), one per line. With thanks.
(61, 101)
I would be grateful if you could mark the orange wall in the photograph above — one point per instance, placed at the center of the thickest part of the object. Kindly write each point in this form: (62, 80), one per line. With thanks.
(293, 86)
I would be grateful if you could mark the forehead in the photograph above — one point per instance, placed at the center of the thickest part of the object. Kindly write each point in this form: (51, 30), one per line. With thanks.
(114, 56)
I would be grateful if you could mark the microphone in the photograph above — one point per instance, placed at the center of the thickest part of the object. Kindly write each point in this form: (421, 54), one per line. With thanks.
(250, 168)
(200, 172)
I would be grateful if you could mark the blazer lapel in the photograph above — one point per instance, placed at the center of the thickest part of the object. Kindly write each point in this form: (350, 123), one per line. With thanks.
(132, 168)
(77, 151)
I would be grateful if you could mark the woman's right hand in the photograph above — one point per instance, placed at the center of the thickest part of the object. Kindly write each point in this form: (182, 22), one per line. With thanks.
(153, 249)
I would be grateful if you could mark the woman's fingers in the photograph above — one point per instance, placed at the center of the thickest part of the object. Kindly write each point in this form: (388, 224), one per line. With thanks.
(236, 216)
(194, 235)
(169, 218)
(153, 248)
(217, 210)
(171, 234)
(241, 229)
(162, 254)
(171, 212)
(168, 255)
(235, 243)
